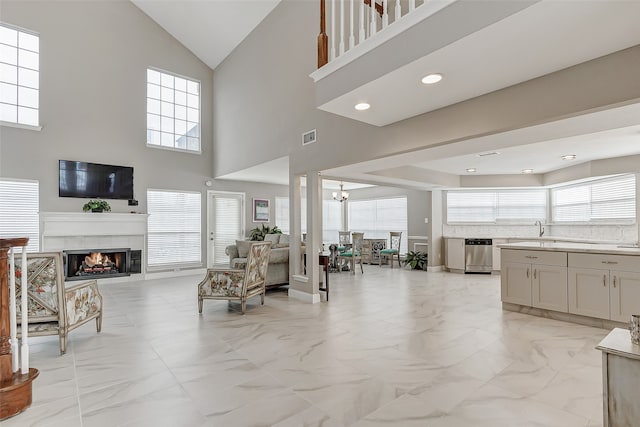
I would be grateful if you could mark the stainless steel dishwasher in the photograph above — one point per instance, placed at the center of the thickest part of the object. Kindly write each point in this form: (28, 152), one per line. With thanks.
(478, 255)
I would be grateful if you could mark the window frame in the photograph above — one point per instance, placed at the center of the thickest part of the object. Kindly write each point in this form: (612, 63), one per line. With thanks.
(405, 232)
(34, 238)
(188, 79)
(495, 207)
(18, 124)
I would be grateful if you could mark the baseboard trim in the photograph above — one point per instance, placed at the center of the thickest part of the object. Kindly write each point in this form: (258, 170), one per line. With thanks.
(435, 268)
(167, 274)
(565, 317)
(304, 296)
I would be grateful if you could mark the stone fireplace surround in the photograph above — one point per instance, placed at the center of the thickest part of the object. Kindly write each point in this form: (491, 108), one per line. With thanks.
(71, 231)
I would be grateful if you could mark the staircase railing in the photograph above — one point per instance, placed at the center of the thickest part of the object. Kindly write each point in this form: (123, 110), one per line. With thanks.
(366, 22)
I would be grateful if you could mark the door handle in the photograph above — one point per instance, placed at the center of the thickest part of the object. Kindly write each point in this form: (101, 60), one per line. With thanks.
(535, 272)
(604, 280)
(527, 273)
(614, 281)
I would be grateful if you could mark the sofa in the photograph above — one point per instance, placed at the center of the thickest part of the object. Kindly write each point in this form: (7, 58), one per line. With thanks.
(278, 270)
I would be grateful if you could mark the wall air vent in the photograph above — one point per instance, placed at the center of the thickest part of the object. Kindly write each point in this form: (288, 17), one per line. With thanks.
(309, 137)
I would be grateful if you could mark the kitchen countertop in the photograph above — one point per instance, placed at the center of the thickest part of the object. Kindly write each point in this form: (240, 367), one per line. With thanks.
(573, 247)
(546, 239)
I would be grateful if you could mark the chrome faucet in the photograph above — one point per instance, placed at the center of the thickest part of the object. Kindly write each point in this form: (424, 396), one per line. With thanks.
(540, 228)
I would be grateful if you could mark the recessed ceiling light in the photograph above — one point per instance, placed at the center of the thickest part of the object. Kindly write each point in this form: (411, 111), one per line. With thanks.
(569, 157)
(430, 79)
(527, 171)
(362, 106)
(471, 170)
(490, 153)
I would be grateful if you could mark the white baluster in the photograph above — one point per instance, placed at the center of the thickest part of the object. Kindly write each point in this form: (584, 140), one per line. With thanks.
(24, 350)
(352, 39)
(361, 33)
(13, 318)
(398, 11)
(372, 24)
(412, 5)
(341, 27)
(332, 36)
(385, 14)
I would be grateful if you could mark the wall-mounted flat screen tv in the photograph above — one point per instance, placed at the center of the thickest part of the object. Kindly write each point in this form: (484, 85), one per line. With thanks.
(93, 180)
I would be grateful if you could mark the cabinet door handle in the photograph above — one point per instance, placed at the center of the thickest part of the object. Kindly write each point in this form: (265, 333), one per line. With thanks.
(614, 281)
(604, 280)
(531, 257)
(609, 262)
(535, 271)
(527, 273)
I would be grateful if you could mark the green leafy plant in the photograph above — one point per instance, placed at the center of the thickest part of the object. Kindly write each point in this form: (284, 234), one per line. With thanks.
(416, 260)
(259, 232)
(96, 206)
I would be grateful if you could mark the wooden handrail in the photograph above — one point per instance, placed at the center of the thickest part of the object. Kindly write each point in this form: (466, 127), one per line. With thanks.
(323, 40)
(378, 6)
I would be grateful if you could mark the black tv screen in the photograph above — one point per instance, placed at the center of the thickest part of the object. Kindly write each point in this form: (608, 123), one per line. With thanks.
(93, 180)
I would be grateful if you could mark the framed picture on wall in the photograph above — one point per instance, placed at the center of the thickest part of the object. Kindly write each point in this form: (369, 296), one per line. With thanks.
(260, 210)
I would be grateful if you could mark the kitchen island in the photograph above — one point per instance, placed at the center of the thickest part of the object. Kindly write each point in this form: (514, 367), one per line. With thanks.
(593, 284)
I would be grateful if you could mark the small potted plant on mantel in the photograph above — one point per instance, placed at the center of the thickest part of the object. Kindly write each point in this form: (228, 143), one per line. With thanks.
(96, 206)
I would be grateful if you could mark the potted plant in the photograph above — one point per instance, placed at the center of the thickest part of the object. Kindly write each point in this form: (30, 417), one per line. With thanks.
(258, 233)
(96, 206)
(416, 260)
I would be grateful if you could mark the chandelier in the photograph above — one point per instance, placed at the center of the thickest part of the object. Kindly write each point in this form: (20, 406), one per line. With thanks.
(343, 195)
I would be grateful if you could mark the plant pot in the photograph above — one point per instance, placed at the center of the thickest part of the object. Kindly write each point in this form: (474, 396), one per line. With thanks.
(97, 210)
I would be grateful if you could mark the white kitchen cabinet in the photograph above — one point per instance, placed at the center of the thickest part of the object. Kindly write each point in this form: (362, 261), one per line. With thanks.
(534, 278)
(454, 254)
(610, 289)
(495, 253)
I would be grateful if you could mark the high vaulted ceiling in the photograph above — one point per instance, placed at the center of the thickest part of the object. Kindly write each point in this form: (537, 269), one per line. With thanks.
(522, 48)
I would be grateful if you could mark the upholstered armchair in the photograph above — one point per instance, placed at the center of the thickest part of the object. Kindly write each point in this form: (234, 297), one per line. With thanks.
(53, 308)
(238, 284)
(394, 248)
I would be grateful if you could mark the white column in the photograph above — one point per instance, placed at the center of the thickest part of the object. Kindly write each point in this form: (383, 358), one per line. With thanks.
(352, 40)
(398, 11)
(385, 14)
(361, 33)
(372, 24)
(24, 350)
(332, 36)
(13, 320)
(341, 27)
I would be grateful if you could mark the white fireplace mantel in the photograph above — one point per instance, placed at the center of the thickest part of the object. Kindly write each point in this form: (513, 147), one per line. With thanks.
(61, 231)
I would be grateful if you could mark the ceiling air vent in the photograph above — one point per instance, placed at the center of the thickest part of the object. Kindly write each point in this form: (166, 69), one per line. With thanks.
(309, 137)
(491, 153)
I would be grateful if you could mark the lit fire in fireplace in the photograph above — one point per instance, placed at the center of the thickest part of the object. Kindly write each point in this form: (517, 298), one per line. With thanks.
(96, 262)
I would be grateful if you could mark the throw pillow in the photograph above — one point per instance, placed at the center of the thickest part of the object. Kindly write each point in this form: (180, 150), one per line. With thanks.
(284, 238)
(273, 238)
(243, 248)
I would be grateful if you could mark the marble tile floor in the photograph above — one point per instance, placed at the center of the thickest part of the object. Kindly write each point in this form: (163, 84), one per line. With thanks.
(391, 348)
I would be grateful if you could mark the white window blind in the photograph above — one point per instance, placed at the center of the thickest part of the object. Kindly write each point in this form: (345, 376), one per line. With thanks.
(506, 206)
(19, 76)
(227, 223)
(282, 214)
(611, 199)
(331, 221)
(173, 111)
(376, 218)
(19, 208)
(174, 227)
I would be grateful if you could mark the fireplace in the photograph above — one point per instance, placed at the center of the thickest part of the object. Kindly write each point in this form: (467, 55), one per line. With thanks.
(97, 263)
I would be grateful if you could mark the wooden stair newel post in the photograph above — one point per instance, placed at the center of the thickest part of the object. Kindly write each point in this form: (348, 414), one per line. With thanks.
(323, 40)
(15, 388)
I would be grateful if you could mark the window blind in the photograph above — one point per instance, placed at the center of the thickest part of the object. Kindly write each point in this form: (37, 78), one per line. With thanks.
(282, 214)
(331, 221)
(376, 218)
(174, 227)
(611, 199)
(508, 206)
(19, 208)
(227, 223)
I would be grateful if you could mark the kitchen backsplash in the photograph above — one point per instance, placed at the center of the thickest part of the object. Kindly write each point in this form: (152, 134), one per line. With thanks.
(614, 233)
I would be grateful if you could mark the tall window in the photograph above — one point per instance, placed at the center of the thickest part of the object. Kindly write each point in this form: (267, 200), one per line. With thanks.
(605, 200)
(19, 207)
(504, 206)
(173, 111)
(227, 223)
(282, 214)
(376, 218)
(331, 221)
(173, 228)
(19, 76)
